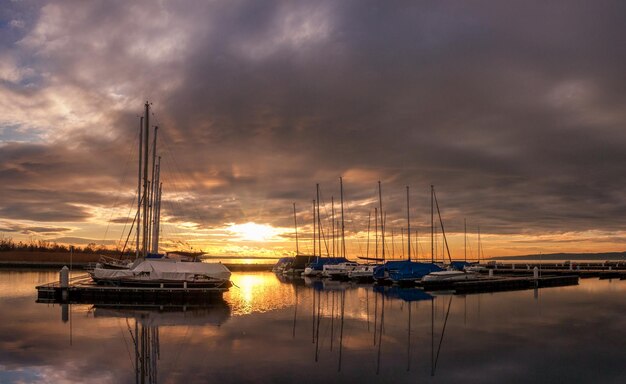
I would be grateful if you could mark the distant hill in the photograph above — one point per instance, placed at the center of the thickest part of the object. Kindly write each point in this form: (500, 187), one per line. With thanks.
(566, 256)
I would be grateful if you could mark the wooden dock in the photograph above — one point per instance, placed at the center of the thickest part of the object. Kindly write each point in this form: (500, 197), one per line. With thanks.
(582, 273)
(500, 283)
(82, 290)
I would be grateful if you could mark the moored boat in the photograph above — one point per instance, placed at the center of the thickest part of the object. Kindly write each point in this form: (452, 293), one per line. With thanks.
(149, 267)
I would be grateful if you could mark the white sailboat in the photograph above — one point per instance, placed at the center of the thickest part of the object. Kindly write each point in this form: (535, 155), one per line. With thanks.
(149, 267)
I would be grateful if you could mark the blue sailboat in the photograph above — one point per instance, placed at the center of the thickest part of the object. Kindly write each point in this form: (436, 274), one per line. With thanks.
(406, 272)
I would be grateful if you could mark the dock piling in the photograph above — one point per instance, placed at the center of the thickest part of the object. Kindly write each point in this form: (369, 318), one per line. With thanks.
(64, 281)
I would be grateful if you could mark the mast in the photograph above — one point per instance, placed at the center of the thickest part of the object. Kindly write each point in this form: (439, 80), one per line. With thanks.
(464, 239)
(314, 229)
(432, 225)
(295, 225)
(332, 220)
(319, 221)
(382, 223)
(376, 230)
(139, 185)
(155, 209)
(145, 180)
(479, 243)
(443, 232)
(157, 222)
(408, 223)
(153, 188)
(369, 217)
(343, 233)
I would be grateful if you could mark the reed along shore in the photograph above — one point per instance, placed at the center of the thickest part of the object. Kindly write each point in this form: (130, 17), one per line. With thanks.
(53, 260)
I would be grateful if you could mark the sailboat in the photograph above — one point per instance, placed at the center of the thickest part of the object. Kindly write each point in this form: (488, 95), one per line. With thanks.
(405, 271)
(316, 268)
(149, 267)
(457, 270)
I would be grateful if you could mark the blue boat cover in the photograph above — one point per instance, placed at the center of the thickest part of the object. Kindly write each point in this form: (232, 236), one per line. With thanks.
(318, 264)
(404, 270)
(460, 265)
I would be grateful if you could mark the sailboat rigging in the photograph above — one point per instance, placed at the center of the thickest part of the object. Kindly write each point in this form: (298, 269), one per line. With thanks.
(149, 267)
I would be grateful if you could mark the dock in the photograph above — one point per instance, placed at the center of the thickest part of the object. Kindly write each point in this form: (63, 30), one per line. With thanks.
(82, 290)
(500, 283)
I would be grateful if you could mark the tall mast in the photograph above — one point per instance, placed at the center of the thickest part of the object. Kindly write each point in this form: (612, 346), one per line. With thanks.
(376, 230)
(332, 220)
(343, 233)
(382, 223)
(157, 222)
(479, 243)
(465, 239)
(432, 225)
(139, 186)
(153, 188)
(319, 221)
(443, 233)
(295, 225)
(314, 229)
(369, 217)
(155, 202)
(145, 179)
(408, 223)
(393, 244)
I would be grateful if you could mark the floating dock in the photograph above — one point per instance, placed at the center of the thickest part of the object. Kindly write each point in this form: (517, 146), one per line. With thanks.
(81, 289)
(493, 284)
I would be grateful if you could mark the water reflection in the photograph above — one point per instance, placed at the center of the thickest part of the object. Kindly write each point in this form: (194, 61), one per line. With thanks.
(145, 334)
(332, 294)
(271, 329)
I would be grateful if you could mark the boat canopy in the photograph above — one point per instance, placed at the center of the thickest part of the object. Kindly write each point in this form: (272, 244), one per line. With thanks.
(460, 265)
(318, 264)
(163, 269)
(404, 270)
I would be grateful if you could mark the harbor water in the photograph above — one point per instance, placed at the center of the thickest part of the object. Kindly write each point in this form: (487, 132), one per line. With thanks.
(270, 329)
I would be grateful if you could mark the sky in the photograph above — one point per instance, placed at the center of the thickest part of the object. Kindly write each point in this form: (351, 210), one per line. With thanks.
(513, 110)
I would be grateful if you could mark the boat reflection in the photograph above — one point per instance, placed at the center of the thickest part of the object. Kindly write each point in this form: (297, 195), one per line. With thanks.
(373, 313)
(146, 322)
(143, 323)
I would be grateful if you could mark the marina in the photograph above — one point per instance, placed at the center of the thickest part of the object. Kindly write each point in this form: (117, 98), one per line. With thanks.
(316, 192)
(389, 333)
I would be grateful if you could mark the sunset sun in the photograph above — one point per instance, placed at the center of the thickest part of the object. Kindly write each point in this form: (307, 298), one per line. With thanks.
(253, 232)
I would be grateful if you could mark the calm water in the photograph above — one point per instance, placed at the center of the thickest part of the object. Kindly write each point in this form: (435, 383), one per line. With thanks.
(267, 330)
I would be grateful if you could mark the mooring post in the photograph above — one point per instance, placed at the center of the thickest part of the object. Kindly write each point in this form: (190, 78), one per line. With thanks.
(64, 282)
(512, 267)
(490, 272)
(535, 273)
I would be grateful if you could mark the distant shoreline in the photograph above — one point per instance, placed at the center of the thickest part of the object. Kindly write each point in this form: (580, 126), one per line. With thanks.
(566, 256)
(56, 260)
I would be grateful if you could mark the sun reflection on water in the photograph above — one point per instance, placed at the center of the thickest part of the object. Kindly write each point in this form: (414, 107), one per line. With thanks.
(257, 292)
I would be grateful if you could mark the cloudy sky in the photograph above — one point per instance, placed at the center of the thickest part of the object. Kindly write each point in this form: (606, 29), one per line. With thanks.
(514, 110)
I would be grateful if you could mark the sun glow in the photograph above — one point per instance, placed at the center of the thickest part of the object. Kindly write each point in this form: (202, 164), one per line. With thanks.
(253, 231)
